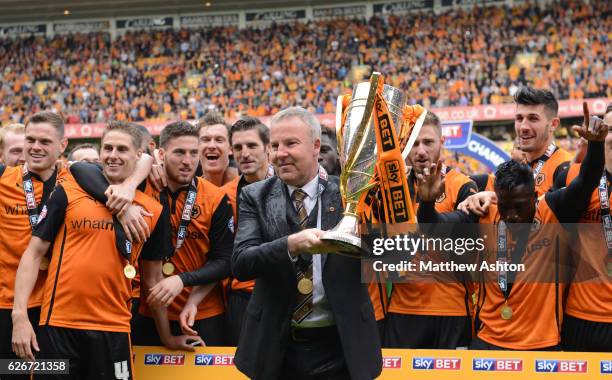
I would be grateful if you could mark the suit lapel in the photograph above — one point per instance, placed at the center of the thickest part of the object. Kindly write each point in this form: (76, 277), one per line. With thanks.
(276, 209)
(331, 211)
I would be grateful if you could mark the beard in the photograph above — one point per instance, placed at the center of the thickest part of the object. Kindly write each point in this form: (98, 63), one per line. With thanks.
(180, 179)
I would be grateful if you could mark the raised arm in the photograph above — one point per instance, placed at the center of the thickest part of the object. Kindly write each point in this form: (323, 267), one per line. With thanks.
(24, 338)
(218, 264)
(570, 202)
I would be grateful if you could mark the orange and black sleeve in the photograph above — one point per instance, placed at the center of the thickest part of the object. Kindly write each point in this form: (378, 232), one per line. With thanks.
(218, 266)
(569, 203)
(52, 216)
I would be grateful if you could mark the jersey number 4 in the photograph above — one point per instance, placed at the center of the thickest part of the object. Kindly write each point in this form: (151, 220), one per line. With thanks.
(121, 370)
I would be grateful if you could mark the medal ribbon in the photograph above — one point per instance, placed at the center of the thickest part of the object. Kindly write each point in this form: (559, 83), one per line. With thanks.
(30, 196)
(190, 200)
(505, 280)
(606, 218)
(502, 257)
(549, 152)
(192, 193)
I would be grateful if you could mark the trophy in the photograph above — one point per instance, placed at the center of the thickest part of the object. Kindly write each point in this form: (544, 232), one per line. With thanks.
(371, 127)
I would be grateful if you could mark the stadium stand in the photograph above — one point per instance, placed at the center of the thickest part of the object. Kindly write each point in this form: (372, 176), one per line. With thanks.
(449, 59)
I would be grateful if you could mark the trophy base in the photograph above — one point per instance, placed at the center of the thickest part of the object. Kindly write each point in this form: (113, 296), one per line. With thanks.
(343, 244)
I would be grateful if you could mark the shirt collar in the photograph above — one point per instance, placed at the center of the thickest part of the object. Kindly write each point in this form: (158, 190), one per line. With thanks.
(310, 188)
(180, 190)
(243, 181)
(175, 194)
(51, 181)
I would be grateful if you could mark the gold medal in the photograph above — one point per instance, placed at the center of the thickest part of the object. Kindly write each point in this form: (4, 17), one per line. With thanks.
(44, 263)
(168, 268)
(506, 312)
(129, 271)
(305, 286)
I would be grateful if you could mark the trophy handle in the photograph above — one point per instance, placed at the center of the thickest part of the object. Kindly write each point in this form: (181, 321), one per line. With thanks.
(340, 108)
(414, 134)
(365, 121)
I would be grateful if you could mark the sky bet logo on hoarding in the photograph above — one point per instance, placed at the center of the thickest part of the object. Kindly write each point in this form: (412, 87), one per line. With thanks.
(561, 366)
(606, 366)
(433, 363)
(509, 365)
(164, 359)
(394, 362)
(214, 360)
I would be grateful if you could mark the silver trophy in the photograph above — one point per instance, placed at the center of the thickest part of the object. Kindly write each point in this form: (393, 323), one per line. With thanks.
(358, 155)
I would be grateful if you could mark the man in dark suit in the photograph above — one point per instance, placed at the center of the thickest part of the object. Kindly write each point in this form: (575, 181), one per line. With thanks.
(309, 317)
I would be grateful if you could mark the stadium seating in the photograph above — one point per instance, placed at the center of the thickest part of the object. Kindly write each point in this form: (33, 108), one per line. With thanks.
(454, 58)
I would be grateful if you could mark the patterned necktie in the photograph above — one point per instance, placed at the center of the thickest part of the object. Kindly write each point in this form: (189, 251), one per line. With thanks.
(304, 273)
(298, 197)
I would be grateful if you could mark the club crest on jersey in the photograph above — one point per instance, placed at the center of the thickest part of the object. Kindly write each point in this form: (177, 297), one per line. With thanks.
(539, 179)
(196, 212)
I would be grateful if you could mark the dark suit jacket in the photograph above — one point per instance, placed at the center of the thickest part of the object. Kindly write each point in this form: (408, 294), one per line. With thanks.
(260, 252)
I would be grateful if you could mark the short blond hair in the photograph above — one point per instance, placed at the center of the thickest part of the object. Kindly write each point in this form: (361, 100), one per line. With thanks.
(129, 129)
(15, 128)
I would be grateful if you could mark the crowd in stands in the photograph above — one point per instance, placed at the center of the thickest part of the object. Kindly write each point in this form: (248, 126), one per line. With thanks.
(463, 164)
(450, 59)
